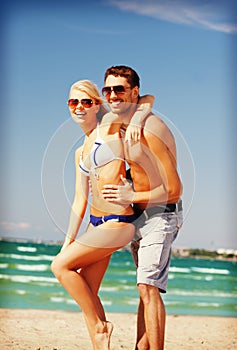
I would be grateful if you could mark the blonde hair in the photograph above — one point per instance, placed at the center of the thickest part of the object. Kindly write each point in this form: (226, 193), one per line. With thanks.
(92, 90)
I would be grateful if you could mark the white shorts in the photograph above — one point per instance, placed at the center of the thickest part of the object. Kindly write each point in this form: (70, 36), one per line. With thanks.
(151, 248)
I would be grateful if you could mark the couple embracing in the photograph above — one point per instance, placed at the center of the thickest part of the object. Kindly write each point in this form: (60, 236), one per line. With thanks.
(146, 211)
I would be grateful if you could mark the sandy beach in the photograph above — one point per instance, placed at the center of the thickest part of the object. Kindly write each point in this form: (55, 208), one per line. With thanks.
(27, 329)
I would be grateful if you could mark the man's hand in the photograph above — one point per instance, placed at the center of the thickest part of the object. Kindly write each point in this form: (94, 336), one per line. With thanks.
(122, 194)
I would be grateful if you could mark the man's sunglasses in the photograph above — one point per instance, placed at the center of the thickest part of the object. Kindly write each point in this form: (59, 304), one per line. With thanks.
(117, 89)
(74, 102)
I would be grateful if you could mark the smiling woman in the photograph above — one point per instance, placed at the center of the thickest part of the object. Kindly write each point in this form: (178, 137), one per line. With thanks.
(84, 96)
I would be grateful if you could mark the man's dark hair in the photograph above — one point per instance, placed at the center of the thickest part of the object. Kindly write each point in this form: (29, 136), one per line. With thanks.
(126, 72)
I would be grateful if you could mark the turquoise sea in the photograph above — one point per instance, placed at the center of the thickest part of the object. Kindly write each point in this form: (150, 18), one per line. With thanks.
(196, 286)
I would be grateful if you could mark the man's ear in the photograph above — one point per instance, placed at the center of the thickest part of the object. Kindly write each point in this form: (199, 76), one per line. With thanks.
(135, 92)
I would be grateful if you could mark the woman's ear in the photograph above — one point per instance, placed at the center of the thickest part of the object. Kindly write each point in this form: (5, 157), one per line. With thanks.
(97, 108)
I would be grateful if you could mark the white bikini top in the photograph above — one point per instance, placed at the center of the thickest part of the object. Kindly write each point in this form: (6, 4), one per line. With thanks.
(100, 155)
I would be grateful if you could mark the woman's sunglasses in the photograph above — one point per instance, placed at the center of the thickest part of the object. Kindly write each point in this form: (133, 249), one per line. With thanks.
(117, 89)
(85, 102)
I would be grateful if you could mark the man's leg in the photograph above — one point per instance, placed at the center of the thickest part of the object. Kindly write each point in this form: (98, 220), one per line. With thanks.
(142, 341)
(153, 259)
(151, 319)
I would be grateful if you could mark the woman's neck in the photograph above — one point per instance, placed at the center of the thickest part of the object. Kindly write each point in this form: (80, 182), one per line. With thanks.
(87, 129)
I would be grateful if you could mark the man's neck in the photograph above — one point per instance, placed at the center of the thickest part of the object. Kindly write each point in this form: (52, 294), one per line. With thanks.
(126, 117)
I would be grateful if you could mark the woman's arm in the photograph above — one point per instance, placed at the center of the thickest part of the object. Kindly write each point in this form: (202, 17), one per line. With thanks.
(144, 107)
(79, 203)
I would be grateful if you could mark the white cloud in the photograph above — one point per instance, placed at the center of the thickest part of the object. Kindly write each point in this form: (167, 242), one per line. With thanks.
(12, 226)
(209, 14)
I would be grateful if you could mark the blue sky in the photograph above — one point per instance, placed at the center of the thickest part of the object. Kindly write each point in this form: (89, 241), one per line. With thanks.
(184, 53)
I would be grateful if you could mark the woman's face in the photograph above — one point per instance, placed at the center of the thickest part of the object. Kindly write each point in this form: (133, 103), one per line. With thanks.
(83, 109)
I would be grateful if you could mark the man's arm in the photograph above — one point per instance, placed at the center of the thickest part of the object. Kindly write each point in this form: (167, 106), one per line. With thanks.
(125, 194)
(134, 128)
(161, 143)
(170, 188)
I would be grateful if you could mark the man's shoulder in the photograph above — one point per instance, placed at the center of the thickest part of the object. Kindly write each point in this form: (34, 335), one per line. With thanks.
(154, 124)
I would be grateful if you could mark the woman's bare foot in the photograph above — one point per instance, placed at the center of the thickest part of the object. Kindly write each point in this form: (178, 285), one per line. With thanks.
(110, 328)
(102, 339)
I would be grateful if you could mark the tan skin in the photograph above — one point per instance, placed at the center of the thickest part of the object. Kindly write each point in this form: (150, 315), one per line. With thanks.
(81, 264)
(156, 181)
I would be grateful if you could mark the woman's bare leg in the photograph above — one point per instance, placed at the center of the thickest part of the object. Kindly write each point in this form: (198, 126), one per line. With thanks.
(65, 266)
(77, 256)
(93, 274)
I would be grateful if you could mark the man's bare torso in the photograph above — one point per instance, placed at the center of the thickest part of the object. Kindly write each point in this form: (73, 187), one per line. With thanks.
(153, 159)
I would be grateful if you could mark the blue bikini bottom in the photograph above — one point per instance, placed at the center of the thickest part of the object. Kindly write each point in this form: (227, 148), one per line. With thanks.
(98, 220)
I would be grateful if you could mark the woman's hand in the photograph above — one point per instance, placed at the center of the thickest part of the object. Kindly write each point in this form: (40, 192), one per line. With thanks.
(133, 133)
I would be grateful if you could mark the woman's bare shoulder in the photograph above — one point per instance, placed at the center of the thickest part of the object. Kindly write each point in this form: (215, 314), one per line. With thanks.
(78, 152)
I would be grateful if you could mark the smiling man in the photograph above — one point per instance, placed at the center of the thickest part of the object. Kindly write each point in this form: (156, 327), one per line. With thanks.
(156, 196)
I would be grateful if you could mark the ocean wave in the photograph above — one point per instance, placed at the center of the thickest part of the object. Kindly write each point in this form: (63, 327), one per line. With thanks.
(123, 281)
(196, 293)
(179, 269)
(109, 289)
(62, 300)
(27, 249)
(174, 303)
(131, 272)
(209, 278)
(24, 267)
(27, 257)
(58, 299)
(194, 305)
(200, 277)
(211, 271)
(4, 266)
(27, 279)
(206, 305)
(106, 302)
(133, 301)
(203, 270)
(20, 291)
(129, 287)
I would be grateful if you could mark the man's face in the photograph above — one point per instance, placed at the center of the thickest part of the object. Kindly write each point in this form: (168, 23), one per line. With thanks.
(120, 102)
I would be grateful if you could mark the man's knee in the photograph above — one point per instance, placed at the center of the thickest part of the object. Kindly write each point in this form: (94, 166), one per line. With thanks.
(147, 292)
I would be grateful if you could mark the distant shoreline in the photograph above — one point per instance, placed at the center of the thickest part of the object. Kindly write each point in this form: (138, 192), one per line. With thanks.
(199, 253)
(222, 254)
